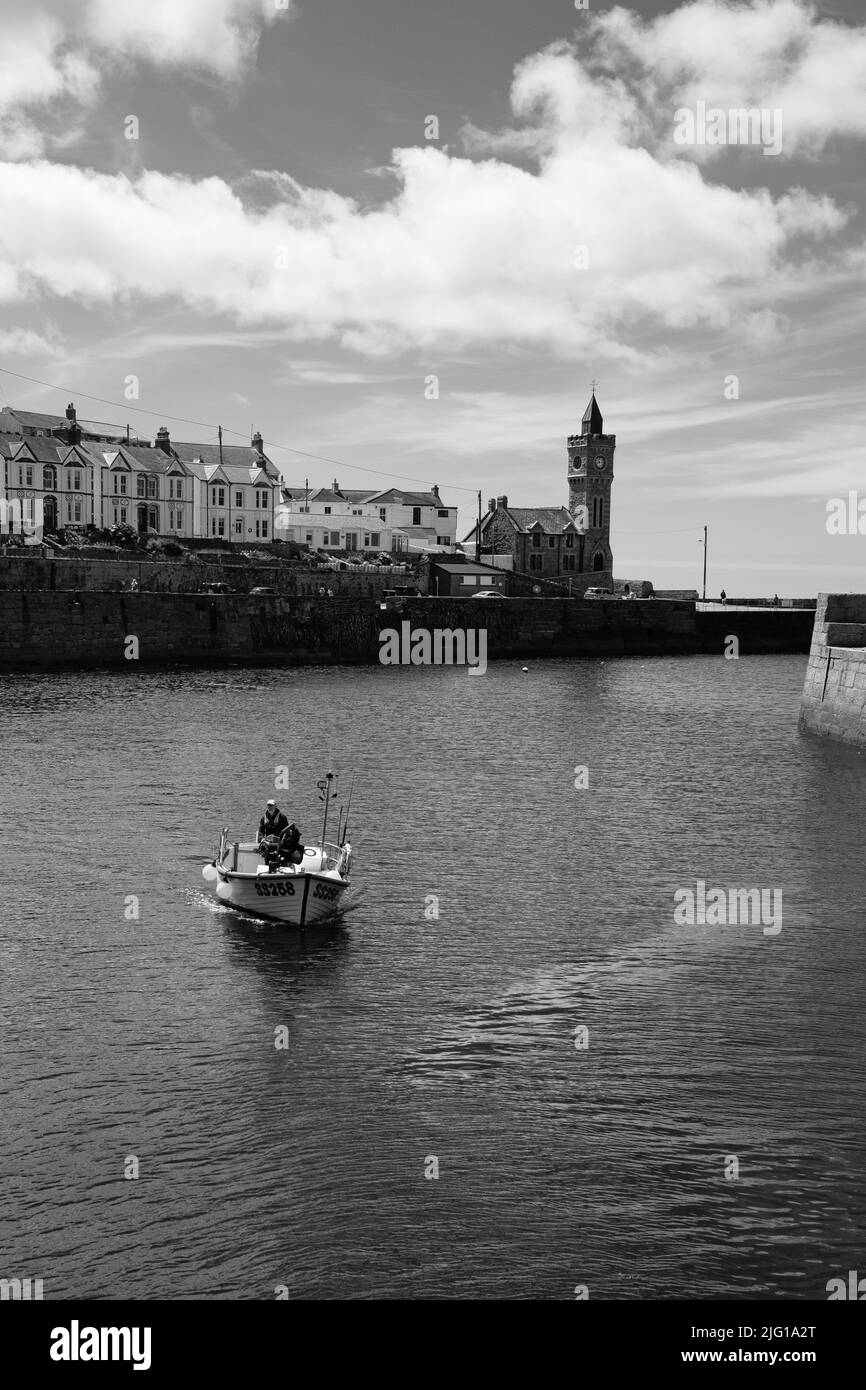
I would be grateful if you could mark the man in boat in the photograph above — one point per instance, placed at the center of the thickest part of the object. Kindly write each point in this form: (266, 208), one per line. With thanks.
(290, 841)
(273, 822)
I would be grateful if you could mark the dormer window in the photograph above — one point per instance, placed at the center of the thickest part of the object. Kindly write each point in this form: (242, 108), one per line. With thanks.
(536, 539)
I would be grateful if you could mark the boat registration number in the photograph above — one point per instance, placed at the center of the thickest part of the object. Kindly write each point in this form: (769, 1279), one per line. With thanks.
(273, 890)
(324, 890)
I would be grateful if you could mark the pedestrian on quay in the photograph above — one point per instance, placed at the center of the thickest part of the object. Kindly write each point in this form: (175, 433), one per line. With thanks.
(724, 598)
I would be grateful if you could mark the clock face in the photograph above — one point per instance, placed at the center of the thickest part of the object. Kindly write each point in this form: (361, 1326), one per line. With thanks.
(599, 463)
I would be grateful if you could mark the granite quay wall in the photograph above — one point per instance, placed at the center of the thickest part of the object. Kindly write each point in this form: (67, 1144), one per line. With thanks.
(86, 630)
(834, 691)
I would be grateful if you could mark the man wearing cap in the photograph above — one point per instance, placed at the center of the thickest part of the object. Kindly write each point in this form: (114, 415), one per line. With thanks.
(273, 822)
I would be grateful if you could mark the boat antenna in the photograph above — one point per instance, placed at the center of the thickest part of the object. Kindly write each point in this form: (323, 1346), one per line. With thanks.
(325, 794)
(341, 840)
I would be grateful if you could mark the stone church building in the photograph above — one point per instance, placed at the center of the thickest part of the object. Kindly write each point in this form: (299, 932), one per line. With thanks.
(562, 543)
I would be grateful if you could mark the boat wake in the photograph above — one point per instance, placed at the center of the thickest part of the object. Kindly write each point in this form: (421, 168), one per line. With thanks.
(543, 1013)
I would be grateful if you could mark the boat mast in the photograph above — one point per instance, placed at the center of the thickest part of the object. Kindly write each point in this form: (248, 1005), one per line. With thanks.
(325, 786)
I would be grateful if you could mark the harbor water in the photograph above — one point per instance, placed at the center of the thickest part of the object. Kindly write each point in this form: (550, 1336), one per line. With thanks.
(512, 1073)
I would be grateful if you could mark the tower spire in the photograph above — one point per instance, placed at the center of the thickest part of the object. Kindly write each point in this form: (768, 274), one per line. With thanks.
(592, 421)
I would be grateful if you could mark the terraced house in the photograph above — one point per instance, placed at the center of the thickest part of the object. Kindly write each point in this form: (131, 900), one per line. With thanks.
(236, 489)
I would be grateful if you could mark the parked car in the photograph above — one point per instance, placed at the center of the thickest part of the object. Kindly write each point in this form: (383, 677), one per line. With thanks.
(595, 592)
(487, 593)
(262, 589)
(217, 587)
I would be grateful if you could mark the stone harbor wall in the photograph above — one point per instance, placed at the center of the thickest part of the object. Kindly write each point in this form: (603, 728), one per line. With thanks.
(85, 630)
(834, 692)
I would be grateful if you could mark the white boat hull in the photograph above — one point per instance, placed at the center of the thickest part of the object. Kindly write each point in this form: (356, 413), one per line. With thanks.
(298, 899)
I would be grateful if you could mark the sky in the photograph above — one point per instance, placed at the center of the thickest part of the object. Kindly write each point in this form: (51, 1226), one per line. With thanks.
(401, 240)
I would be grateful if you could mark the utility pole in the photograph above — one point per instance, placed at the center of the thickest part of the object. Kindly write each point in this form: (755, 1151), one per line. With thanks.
(704, 599)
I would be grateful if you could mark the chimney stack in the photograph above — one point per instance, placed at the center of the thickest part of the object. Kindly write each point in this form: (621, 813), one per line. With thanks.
(491, 504)
(73, 431)
(162, 440)
(435, 491)
(258, 442)
(502, 502)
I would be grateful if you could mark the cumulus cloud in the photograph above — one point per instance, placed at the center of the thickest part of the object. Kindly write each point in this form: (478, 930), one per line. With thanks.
(219, 35)
(469, 249)
(770, 54)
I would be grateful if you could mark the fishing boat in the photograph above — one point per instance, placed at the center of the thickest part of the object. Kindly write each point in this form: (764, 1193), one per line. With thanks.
(298, 888)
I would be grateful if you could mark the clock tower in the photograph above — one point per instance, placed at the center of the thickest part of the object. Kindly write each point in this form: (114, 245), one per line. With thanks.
(590, 474)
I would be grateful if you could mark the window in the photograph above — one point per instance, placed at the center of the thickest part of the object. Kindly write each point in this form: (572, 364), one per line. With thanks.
(303, 509)
(49, 481)
(123, 515)
(366, 540)
(443, 511)
(262, 498)
(239, 528)
(141, 486)
(383, 514)
(123, 482)
(239, 498)
(416, 516)
(29, 472)
(264, 528)
(68, 511)
(551, 542)
(115, 516)
(598, 561)
(309, 537)
(20, 477)
(443, 540)
(357, 511)
(77, 510)
(568, 562)
(178, 487)
(77, 483)
(598, 511)
(536, 539)
(335, 537)
(376, 539)
(221, 526)
(569, 542)
(327, 511)
(535, 562)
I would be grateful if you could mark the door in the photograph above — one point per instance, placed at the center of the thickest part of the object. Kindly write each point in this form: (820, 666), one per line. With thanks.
(142, 519)
(351, 540)
(50, 514)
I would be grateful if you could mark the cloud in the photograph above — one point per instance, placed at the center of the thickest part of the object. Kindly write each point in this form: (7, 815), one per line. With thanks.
(41, 81)
(218, 35)
(25, 343)
(468, 250)
(772, 54)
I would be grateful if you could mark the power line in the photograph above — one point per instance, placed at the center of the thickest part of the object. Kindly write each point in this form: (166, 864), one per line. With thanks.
(239, 434)
(679, 531)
